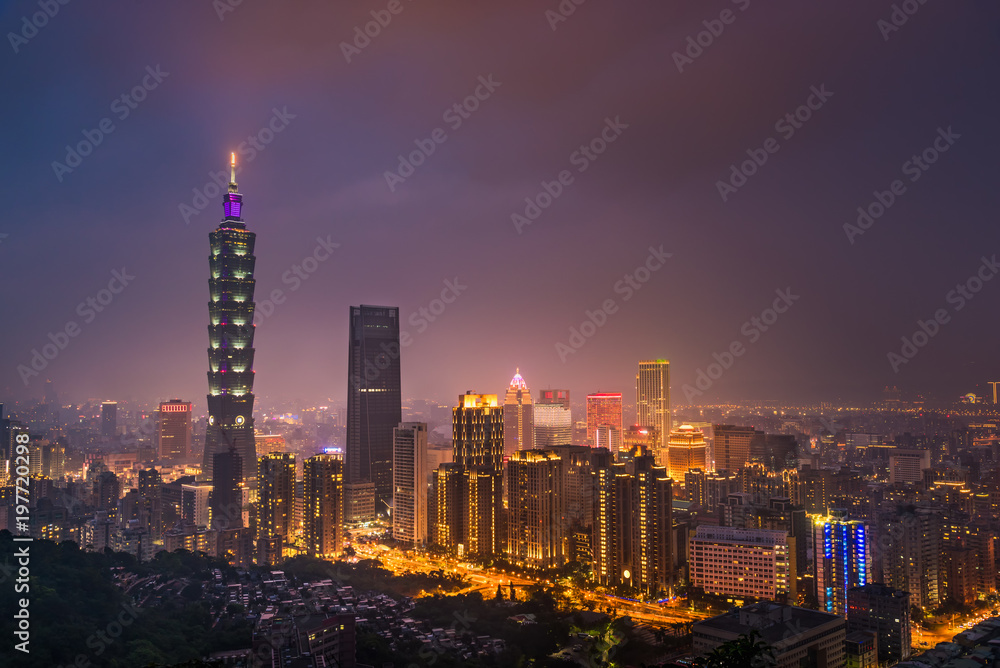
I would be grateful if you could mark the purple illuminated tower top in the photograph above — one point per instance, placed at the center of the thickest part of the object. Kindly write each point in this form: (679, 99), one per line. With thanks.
(232, 203)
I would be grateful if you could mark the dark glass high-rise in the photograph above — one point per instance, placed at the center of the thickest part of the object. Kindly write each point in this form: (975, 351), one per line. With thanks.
(109, 419)
(230, 336)
(374, 403)
(227, 498)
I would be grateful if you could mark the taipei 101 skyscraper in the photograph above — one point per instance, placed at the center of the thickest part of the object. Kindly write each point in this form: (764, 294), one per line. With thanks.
(230, 338)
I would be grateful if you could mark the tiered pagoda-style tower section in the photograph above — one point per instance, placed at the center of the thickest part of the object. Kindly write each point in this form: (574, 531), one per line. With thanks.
(230, 336)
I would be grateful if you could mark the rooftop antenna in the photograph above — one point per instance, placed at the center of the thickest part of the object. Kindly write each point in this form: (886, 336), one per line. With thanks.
(232, 173)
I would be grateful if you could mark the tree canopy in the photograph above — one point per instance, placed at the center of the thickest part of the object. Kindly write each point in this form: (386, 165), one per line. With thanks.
(747, 651)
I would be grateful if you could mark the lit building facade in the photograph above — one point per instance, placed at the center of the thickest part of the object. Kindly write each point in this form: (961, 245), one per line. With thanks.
(646, 439)
(268, 443)
(235, 546)
(731, 446)
(151, 501)
(535, 498)
(841, 557)
(968, 569)
(812, 488)
(960, 574)
(173, 430)
(477, 439)
(632, 527)
(230, 336)
(908, 465)
(885, 612)
(763, 484)
(912, 554)
(409, 489)
(323, 501)
(374, 402)
(467, 493)
(36, 456)
(604, 420)
(192, 539)
(652, 399)
(107, 491)
(446, 526)
(579, 485)
(686, 451)
(740, 562)
(707, 490)
(195, 505)
(477, 432)
(553, 419)
(8, 436)
(275, 499)
(861, 650)
(52, 458)
(359, 501)
(518, 417)
(330, 639)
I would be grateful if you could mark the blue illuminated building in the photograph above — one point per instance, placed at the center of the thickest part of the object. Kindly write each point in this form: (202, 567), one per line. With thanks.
(842, 559)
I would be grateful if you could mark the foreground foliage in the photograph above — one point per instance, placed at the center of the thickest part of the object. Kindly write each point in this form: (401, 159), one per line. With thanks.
(77, 610)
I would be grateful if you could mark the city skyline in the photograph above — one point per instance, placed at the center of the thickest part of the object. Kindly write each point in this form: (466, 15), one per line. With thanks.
(742, 253)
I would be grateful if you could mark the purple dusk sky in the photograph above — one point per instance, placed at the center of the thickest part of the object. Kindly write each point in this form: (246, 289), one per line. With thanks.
(632, 126)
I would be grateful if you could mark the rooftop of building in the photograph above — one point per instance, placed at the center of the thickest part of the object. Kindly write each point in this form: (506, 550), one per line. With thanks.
(470, 400)
(517, 382)
(777, 624)
(860, 637)
(877, 589)
(722, 534)
(534, 455)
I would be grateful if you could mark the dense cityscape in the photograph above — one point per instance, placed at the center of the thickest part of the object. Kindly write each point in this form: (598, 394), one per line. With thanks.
(839, 535)
(537, 334)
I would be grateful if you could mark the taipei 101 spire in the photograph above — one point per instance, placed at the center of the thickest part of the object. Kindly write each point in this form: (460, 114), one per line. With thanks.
(230, 337)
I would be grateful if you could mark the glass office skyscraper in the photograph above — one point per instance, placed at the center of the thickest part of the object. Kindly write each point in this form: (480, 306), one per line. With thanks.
(374, 403)
(652, 400)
